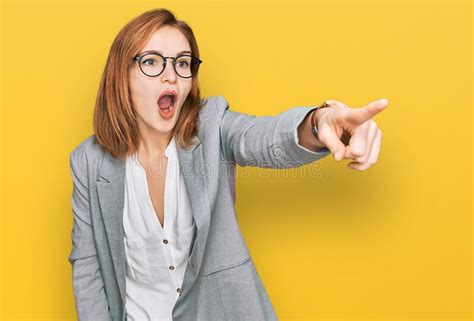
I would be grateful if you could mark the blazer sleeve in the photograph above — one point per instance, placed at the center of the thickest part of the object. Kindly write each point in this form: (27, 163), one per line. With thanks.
(265, 141)
(89, 293)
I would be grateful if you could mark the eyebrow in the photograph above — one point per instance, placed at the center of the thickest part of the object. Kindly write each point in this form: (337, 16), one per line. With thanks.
(157, 51)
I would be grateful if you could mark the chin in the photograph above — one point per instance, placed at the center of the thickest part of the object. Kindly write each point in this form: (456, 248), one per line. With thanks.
(165, 126)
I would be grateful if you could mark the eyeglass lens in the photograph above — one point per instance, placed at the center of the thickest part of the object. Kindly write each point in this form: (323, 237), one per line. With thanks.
(153, 64)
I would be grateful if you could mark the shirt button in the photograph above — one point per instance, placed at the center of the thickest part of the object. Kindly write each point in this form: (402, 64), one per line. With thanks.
(165, 241)
(171, 267)
(178, 290)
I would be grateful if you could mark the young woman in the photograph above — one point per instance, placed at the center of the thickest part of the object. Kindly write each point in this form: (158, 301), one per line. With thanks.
(155, 235)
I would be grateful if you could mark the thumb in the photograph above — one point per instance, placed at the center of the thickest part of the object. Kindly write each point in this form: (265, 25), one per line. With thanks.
(361, 115)
(329, 138)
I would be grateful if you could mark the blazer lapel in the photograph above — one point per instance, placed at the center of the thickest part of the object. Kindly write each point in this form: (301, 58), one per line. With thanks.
(111, 188)
(193, 171)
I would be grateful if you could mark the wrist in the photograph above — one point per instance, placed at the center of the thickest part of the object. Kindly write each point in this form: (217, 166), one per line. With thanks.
(315, 141)
(315, 121)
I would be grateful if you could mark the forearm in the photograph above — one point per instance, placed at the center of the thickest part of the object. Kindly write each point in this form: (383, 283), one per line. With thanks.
(264, 141)
(305, 135)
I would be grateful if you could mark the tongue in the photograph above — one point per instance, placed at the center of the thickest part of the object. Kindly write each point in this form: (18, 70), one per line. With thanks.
(165, 102)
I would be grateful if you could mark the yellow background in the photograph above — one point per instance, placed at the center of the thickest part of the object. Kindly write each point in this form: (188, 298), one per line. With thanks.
(390, 243)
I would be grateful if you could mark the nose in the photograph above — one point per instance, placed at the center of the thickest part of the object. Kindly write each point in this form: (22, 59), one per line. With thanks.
(169, 74)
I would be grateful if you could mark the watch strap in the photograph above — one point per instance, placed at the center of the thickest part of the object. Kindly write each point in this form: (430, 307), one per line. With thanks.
(313, 121)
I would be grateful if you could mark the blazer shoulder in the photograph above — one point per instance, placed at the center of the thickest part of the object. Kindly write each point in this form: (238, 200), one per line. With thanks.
(88, 149)
(213, 106)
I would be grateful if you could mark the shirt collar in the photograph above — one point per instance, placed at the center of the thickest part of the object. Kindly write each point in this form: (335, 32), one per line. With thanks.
(170, 151)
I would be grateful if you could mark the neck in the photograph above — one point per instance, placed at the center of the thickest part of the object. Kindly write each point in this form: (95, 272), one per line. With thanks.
(153, 144)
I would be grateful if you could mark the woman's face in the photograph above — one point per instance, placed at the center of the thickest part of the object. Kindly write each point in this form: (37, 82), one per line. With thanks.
(145, 91)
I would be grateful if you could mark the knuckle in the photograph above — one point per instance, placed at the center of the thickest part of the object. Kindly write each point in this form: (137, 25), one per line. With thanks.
(360, 159)
(373, 125)
(365, 166)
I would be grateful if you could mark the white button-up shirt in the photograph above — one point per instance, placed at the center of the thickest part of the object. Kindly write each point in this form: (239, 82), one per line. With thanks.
(156, 256)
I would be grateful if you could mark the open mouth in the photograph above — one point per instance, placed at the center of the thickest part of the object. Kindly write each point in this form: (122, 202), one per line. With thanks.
(167, 101)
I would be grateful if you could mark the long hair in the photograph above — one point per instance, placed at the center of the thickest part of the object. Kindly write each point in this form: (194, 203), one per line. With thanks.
(115, 121)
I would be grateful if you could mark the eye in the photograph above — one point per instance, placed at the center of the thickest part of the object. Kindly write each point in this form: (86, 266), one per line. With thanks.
(183, 64)
(153, 61)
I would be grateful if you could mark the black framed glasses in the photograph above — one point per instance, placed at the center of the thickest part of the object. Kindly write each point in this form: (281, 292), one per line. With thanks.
(152, 64)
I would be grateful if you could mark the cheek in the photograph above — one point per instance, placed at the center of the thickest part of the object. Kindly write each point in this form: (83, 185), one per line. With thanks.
(142, 92)
(135, 88)
(185, 90)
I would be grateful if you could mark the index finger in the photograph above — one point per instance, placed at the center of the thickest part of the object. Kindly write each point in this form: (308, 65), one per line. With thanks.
(361, 115)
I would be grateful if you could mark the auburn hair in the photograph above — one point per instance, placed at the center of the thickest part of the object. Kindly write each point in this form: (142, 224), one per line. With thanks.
(115, 123)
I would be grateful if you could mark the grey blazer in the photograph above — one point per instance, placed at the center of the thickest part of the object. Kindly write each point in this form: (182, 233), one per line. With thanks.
(220, 280)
